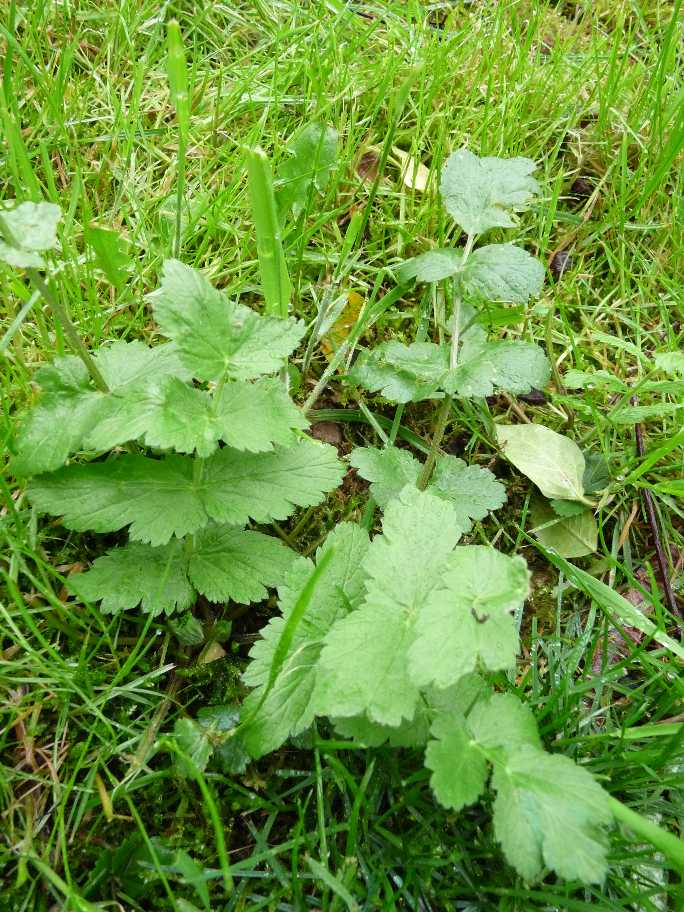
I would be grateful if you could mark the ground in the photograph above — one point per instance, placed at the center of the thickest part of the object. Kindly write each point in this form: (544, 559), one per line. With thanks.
(94, 812)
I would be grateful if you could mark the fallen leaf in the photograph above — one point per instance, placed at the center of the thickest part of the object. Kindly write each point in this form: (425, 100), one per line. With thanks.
(414, 173)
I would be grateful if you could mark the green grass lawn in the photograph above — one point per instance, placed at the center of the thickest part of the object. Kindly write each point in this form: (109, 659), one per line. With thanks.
(93, 811)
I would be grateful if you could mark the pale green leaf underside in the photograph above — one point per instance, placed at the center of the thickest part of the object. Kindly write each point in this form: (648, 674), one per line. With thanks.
(224, 564)
(410, 373)
(502, 272)
(364, 667)
(402, 373)
(215, 336)
(162, 498)
(472, 491)
(466, 620)
(457, 753)
(289, 707)
(553, 462)
(484, 367)
(550, 812)
(481, 193)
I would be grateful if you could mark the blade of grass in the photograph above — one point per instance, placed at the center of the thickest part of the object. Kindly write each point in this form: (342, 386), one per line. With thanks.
(275, 280)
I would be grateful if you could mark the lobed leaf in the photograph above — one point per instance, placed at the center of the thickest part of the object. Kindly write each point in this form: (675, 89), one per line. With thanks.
(471, 490)
(162, 498)
(72, 414)
(486, 366)
(550, 812)
(460, 747)
(289, 707)
(481, 193)
(215, 336)
(466, 619)
(364, 668)
(224, 563)
(402, 373)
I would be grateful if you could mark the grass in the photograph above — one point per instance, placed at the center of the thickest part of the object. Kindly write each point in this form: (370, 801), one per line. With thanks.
(93, 811)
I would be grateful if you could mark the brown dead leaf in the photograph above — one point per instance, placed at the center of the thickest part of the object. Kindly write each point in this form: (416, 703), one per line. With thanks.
(344, 324)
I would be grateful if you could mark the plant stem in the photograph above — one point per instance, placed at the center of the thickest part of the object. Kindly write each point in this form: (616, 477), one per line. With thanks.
(435, 443)
(665, 842)
(70, 331)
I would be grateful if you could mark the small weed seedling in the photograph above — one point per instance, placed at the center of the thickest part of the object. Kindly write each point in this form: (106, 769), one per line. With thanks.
(183, 443)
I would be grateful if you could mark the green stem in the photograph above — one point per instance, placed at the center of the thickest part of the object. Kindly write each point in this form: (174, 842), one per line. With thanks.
(70, 331)
(435, 443)
(665, 842)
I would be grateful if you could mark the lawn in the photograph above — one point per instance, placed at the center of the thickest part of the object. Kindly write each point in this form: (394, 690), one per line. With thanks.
(112, 796)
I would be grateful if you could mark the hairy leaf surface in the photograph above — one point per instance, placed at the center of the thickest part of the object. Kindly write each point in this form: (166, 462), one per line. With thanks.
(289, 707)
(467, 618)
(550, 812)
(364, 662)
(216, 336)
(502, 272)
(484, 367)
(402, 373)
(162, 498)
(431, 266)
(481, 193)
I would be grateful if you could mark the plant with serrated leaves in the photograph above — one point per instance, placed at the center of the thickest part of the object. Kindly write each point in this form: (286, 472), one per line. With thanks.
(183, 444)
(479, 194)
(405, 639)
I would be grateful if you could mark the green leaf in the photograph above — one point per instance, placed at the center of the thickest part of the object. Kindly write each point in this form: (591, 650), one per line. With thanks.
(466, 619)
(601, 380)
(162, 498)
(220, 724)
(481, 193)
(570, 536)
(72, 414)
(471, 490)
(187, 628)
(486, 366)
(459, 768)
(255, 416)
(364, 661)
(403, 373)
(372, 734)
(192, 739)
(550, 812)
(389, 470)
(32, 228)
(111, 253)
(502, 272)
(670, 362)
(137, 574)
(460, 748)
(596, 473)
(432, 266)
(235, 564)
(289, 706)
(311, 156)
(553, 462)
(216, 336)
